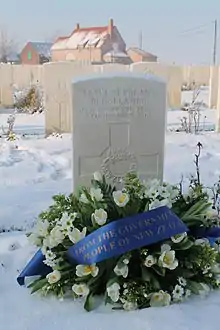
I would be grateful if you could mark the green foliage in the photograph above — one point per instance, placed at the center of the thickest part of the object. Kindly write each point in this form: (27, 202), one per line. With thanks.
(172, 269)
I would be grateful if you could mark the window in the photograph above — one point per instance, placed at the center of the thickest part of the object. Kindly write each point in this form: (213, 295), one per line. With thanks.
(29, 56)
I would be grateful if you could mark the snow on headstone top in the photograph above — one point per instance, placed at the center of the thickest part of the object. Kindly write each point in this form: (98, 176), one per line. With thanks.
(118, 123)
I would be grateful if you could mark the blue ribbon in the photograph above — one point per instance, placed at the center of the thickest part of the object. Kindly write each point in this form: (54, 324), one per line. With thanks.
(212, 234)
(115, 239)
(34, 268)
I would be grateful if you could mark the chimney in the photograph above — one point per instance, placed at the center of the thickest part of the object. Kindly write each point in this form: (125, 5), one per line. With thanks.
(110, 26)
(77, 27)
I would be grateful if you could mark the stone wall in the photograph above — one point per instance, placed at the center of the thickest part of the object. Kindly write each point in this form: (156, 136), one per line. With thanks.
(55, 79)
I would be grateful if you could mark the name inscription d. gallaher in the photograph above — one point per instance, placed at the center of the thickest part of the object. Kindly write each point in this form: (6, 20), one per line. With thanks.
(124, 235)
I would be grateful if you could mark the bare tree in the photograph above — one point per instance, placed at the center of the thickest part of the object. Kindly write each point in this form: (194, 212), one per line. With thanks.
(7, 46)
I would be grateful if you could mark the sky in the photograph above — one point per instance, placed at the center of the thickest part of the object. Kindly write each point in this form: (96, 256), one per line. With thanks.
(177, 31)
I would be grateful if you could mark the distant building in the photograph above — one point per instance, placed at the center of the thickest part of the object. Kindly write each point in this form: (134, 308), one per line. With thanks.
(11, 58)
(139, 55)
(36, 53)
(91, 44)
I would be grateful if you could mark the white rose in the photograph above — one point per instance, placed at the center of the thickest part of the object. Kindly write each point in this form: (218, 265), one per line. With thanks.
(120, 198)
(178, 238)
(96, 194)
(75, 235)
(97, 176)
(85, 270)
(150, 261)
(113, 292)
(81, 289)
(121, 270)
(100, 217)
(160, 299)
(168, 260)
(54, 277)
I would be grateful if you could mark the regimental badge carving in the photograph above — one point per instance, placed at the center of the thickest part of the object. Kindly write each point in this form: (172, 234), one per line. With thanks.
(114, 158)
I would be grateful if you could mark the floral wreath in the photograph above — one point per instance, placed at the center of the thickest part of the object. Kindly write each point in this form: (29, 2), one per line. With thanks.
(160, 274)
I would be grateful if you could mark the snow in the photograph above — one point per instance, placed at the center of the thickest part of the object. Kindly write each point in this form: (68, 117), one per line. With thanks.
(40, 168)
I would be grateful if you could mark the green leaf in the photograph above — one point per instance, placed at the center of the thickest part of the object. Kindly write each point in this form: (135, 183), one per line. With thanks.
(196, 209)
(147, 276)
(88, 303)
(195, 287)
(184, 245)
(186, 273)
(146, 207)
(159, 271)
(39, 284)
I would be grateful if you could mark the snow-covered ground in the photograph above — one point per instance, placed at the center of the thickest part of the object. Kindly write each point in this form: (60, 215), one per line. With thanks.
(40, 168)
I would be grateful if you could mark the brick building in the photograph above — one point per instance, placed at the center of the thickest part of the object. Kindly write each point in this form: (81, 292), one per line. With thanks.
(36, 53)
(91, 44)
(139, 55)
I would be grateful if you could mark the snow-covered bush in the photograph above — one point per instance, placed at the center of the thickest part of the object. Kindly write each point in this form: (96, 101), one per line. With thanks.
(192, 122)
(28, 100)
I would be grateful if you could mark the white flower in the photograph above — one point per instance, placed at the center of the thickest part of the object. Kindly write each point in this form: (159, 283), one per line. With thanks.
(83, 199)
(216, 268)
(81, 289)
(165, 248)
(57, 235)
(75, 235)
(50, 255)
(42, 228)
(202, 241)
(85, 270)
(55, 238)
(126, 261)
(100, 217)
(178, 238)
(182, 281)
(120, 198)
(96, 194)
(178, 293)
(129, 306)
(113, 292)
(150, 261)
(54, 277)
(34, 239)
(97, 176)
(168, 260)
(121, 270)
(156, 203)
(159, 299)
(152, 187)
(50, 263)
(67, 221)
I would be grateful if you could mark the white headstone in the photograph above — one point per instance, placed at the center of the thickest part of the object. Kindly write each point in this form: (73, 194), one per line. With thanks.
(118, 126)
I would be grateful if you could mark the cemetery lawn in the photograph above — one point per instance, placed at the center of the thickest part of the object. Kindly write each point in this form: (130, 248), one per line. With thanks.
(40, 168)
